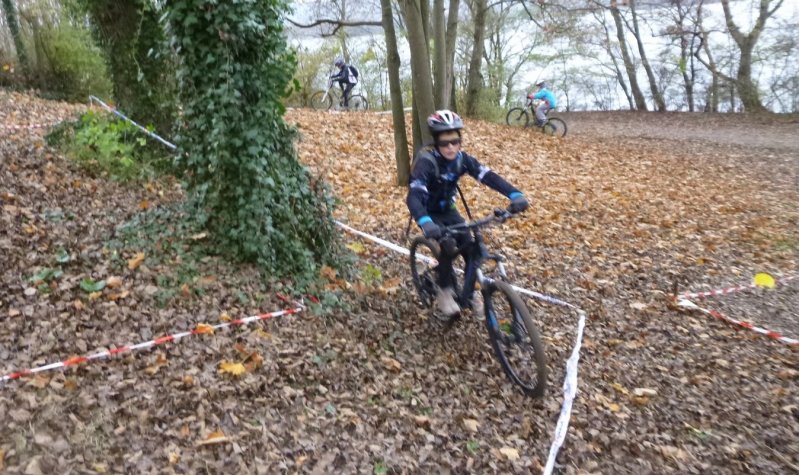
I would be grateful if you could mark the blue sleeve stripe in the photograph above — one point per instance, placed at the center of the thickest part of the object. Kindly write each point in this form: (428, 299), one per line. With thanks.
(424, 219)
(515, 194)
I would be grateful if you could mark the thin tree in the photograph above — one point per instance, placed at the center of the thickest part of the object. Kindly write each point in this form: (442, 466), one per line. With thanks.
(13, 26)
(397, 112)
(660, 104)
(640, 102)
(475, 81)
(423, 102)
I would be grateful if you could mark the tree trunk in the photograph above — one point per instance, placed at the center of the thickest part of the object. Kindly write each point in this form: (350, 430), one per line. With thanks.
(13, 26)
(475, 78)
(660, 104)
(142, 73)
(747, 89)
(640, 102)
(439, 56)
(397, 113)
(712, 100)
(619, 75)
(420, 69)
(451, 38)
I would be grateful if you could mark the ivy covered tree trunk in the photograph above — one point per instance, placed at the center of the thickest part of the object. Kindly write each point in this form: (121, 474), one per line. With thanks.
(142, 70)
(13, 26)
(250, 192)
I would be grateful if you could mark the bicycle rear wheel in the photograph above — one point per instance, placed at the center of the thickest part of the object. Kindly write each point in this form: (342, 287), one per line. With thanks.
(515, 338)
(517, 117)
(320, 101)
(358, 103)
(555, 127)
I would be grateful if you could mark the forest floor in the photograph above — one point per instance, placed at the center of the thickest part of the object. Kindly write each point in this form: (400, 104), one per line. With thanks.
(623, 207)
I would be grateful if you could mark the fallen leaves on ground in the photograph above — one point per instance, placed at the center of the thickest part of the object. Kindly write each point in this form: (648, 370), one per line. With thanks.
(617, 220)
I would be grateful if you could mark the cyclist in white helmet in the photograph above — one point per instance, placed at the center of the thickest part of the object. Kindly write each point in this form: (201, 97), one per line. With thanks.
(346, 77)
(432, 195)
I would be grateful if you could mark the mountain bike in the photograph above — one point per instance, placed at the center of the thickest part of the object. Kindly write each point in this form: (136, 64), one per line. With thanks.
(324, 100)
(513, 334)
(520, 117)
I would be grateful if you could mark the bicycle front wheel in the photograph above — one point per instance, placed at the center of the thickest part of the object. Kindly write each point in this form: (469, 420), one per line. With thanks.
(321, 101)
(424, 260)
(517, 117)
(555, 127)
(358, 103)
(515, 338)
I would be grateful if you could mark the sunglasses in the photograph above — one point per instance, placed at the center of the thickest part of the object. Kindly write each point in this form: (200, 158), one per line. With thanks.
(445, 143)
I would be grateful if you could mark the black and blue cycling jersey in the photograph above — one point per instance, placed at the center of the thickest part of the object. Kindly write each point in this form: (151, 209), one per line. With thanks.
(434, 179)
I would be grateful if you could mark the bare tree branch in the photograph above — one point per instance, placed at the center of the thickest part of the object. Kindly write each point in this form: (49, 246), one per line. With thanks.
(337, 24)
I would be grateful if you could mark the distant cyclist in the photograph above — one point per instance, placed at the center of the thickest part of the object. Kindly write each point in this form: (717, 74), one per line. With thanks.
(347, 78)
(547, 99)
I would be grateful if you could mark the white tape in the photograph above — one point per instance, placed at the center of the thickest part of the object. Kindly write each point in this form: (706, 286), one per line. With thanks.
(570, 381)
(123, 116)
(569, 393)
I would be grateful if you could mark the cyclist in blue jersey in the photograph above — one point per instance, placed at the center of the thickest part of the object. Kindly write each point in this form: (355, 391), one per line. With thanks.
(431, 196)
(548, 101)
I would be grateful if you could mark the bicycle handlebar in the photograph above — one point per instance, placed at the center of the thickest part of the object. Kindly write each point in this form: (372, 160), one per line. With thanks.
(499, 215)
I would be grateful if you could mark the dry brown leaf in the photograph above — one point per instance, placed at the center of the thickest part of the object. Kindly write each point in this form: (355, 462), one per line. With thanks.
(217, 437)
(328, 273)
(119, 295)
(95, 295)
(510, 453)
(233, 369)
(39, 381)
(391, 363)
(471, 425)
(204, 329)
(136, 261)
(113, 282)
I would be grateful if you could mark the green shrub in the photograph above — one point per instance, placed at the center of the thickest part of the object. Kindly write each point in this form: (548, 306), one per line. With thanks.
(73, 67)
(310, 75)
(104, 145)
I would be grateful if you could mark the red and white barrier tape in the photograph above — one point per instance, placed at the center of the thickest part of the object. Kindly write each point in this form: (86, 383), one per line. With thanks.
(730, 290)
(685, 303)
(147, 344)
(27, 126)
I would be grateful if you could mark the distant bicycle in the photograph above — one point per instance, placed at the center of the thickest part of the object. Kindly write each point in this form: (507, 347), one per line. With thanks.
(520, 117)
(324, 100)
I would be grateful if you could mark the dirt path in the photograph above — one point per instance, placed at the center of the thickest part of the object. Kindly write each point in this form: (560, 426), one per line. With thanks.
(772, 133)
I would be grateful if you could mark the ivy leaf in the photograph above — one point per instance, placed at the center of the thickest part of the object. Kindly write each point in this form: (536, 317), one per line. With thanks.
(91, 286)
(62, 256)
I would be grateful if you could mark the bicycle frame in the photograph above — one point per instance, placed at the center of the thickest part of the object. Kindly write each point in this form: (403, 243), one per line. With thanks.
(479, 256)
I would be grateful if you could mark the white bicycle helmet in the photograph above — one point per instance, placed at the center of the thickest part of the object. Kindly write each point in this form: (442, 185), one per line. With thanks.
(444, 121)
